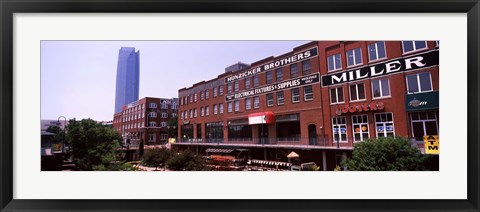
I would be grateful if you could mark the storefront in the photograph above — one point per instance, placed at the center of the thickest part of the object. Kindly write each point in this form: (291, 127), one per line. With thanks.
(423, 112)
(214, 132)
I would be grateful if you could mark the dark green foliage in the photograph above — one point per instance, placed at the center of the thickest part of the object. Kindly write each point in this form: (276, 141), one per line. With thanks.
(156, 157)
(187, 161)
(385, 154)
(59, 134)
(92, 144)
(115, 166)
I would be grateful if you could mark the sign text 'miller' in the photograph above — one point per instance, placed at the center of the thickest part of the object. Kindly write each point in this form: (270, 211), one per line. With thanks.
(394, 66)
(273, 65)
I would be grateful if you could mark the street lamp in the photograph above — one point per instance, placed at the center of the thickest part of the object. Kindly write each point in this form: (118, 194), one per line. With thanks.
(64, 125)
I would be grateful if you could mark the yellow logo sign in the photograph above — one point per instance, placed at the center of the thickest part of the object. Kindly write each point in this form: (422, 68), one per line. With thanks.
(432, 144)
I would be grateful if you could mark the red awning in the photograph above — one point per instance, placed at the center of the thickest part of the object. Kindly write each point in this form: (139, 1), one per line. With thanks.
(261, 118)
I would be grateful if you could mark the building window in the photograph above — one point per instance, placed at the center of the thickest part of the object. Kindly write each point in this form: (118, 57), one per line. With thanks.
(248, 103)
(221, 108)
(215, 109)
(207, 111)
(191, 98)
(195, 112)
(376, 51)
(164, 115)
(185, 100)
(424, 123)
(339, 126)
(152, 124)
(237, 105)
(360, 127)
(202, 111)
(306, 67)
(294, 70)
(410, 46)
(163, 124)
(229, 107)
(151, 137)
(236, 87)
(384, 125)
(220, 90)
(256, 102)
(354, 57)
(270, 99)
(334, 62)
(195, 97)
(247, 83)
(174, 114)
(357, 92)
(152, 105)
(164, 106)
(269, 77)
(295, 95)
(380, 88)
(191, 113)
(229, 88)
(240, 132)
(279, 74)
(207, 94)
(336, 95)
(308, 93)
(202, 95)
(280, 98)
(215, 90)
(163, 137)
(256, 81)
(417, 83)
(152, 115)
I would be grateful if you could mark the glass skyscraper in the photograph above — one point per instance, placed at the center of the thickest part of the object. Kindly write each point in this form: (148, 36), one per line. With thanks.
(128, 74)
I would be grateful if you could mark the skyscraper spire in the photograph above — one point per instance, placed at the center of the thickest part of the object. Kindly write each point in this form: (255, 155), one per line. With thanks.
(128, 74)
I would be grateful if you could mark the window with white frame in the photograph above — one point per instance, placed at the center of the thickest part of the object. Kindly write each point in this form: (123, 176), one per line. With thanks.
(191, 98)
(220, 108)
(306, 67)
(269, 77)
(191, 113)
(174, 114)
(185, 100)
(151, 137)
(256, 81)
(354, 57)
(215, 91)
(384, 125)
(256, 102)
(143, 115)
(334, 62)
(163, 137)
(163, 124)
(202, 95)
(152, 115)
(294, 70)
(152, 124)
(360, 127)
(236, 86)
(270, 99)
(229, 88)
(410, 46)
(336, 95)
(220, 90)
(248, 103)
(229, 107)
(280, 98)
(152, 105)
(207, 94)
(308, 93)
(215, 109)
(202, 111)
(207, 111)
(339, 126)
(237, 105)
(164, 106)
(164, 115)
(247, 83)
(424, 123)
(295, 95)
(279, 74)
(380, 88)
(376, 51)
(418, 83)
(182, 114)
(195, 97)
(357, 92)
(195, 112)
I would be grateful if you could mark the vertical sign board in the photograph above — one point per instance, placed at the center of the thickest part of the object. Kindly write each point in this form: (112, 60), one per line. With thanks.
(432, 145)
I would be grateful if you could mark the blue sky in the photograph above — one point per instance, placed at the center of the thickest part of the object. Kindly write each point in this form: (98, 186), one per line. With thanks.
(78, 77)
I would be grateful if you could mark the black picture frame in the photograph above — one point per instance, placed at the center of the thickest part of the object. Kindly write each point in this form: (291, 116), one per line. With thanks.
(9, 7)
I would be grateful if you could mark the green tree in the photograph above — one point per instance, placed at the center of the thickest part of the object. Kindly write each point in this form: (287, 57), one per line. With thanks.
(93, 144)
(156, 157)
(187, 161)
(385, 154)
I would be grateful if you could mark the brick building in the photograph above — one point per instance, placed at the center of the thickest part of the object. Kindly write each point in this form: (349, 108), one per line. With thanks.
(146, 119)
(317, 100)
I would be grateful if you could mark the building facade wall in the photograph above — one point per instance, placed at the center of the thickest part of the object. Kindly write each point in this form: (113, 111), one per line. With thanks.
(128, 74)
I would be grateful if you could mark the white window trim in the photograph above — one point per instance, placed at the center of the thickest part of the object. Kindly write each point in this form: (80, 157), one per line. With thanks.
(337, 69)
(354, 60)
(346, 129)
(230, 107)
(358, 97)
(258, 105)
(415, 50)
(393, 124)
(361, 134)
(381, 92)
(418, 82)
(273, 100)
(423, 121)
(246, 104)
(283, 93)
(305, 94)
(291, 91)
(336, 93)
(236, 109)
(376, 51)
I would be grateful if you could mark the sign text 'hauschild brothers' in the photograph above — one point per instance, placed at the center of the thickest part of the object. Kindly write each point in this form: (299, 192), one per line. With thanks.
(391, 67)
(306, 80)
(273, 65)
